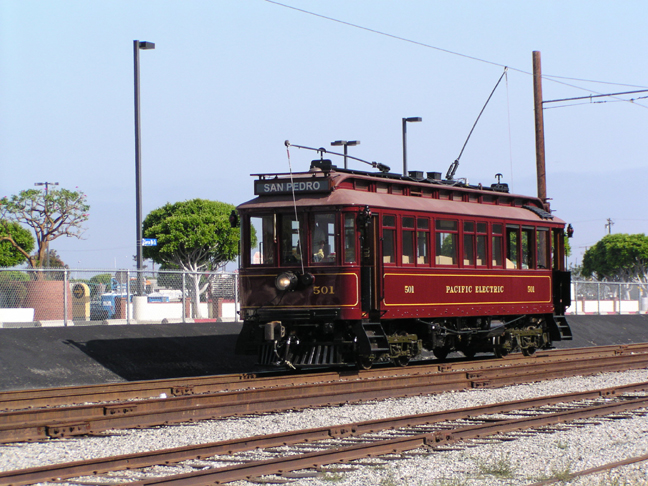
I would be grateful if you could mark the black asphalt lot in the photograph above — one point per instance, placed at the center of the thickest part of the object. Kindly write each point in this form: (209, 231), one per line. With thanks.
(87, 355)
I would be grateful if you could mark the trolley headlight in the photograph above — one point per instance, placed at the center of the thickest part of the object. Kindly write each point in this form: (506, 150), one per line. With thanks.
(286, 281)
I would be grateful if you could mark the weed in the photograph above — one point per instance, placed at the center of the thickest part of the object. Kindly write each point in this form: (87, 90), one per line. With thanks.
(562, 474)
(388, 481)
(333, 477)
(499, 467)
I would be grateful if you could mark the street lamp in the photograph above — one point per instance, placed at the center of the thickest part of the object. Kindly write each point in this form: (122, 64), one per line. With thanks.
(137, 45)
(346, 144)
(405, 120)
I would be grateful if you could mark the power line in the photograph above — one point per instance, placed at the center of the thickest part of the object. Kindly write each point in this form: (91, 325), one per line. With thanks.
(447, 51)
(632, 100)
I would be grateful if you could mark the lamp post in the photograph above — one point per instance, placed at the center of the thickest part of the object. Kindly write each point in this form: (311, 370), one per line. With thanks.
(405, 120)
(46, 184)
(137, 45)
(346, 144)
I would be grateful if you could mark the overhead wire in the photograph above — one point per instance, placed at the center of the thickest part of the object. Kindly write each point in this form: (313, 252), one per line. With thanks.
(632, 100)
(552, 78)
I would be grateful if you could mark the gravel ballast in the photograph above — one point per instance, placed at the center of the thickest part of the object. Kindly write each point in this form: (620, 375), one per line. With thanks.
(522, 461)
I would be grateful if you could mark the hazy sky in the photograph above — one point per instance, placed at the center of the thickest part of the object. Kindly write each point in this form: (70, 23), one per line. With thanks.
(230, 80)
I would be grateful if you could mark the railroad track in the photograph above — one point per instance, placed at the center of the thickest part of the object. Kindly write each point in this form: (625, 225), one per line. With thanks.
(139, 390)
(95, 418)
(387, 438)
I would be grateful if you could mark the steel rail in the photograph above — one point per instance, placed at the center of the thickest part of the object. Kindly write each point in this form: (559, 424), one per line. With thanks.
(175, 455)
(593, 470)
(91, 419)
(389, 446)
(140, 390)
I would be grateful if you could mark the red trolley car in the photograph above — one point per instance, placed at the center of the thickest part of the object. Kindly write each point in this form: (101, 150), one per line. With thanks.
(342, 266)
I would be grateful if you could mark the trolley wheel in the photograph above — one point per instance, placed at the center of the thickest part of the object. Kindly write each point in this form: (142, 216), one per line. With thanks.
(401, 361)
(469, 353)
(528, 351)
(500, 352)
(364, 362)
(441, 353)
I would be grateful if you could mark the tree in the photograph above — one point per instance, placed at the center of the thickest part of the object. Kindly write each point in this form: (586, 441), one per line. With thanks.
(50, 215)
(194, 236)
(618, 257)
(16, 243)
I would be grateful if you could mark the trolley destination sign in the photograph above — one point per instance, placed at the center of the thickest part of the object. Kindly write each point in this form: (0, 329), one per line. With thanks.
(286, 186)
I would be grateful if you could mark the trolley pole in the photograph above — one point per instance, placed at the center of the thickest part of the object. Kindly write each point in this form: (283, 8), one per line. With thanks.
(539, 128)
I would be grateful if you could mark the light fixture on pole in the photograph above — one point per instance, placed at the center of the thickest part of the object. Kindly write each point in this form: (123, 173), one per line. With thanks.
(350, 143)
(46, 184)
(405, 120)
(137, 45)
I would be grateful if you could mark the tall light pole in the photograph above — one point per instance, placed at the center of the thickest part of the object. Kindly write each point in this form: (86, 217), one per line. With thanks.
(137, 45)
(46, 184)
(405, 120)
(346, 144)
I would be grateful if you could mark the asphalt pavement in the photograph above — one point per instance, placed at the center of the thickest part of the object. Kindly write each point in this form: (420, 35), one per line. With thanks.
(87, 355)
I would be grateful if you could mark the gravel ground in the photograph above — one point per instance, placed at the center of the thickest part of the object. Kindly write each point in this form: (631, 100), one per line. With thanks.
(518, 462)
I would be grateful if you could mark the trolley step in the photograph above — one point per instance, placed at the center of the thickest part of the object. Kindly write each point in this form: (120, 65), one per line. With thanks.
(563, 327)
(371, 338)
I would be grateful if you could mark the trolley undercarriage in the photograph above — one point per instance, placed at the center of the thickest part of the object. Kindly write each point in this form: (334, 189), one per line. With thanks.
(301, 343)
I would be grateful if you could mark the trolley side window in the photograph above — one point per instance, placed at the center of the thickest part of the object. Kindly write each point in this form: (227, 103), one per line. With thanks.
(323, 238)
(496, 245)
(263, 253)
(291, 239)
(469, 243)
(423, 241)
(389, 239)
(528, 247)
(408, 240)
(482, 244)
(544, 259)
(558, 249)
(512, 246)
(349, 238)
(446, 242)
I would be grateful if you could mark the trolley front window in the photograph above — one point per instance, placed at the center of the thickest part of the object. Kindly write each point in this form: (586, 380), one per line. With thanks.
(291, 239)
(323, 238)
(263, 253)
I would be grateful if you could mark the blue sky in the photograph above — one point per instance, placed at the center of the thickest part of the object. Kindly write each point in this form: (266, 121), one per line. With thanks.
(230, 80)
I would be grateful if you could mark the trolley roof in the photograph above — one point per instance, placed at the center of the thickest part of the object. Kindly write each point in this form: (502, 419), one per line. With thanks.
(345, 188)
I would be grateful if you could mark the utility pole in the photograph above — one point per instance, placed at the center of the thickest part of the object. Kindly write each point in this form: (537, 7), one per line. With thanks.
(608, 225)
(539, 128)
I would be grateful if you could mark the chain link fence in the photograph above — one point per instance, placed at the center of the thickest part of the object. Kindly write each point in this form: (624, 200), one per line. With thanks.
(55, 297)
(602, 298)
